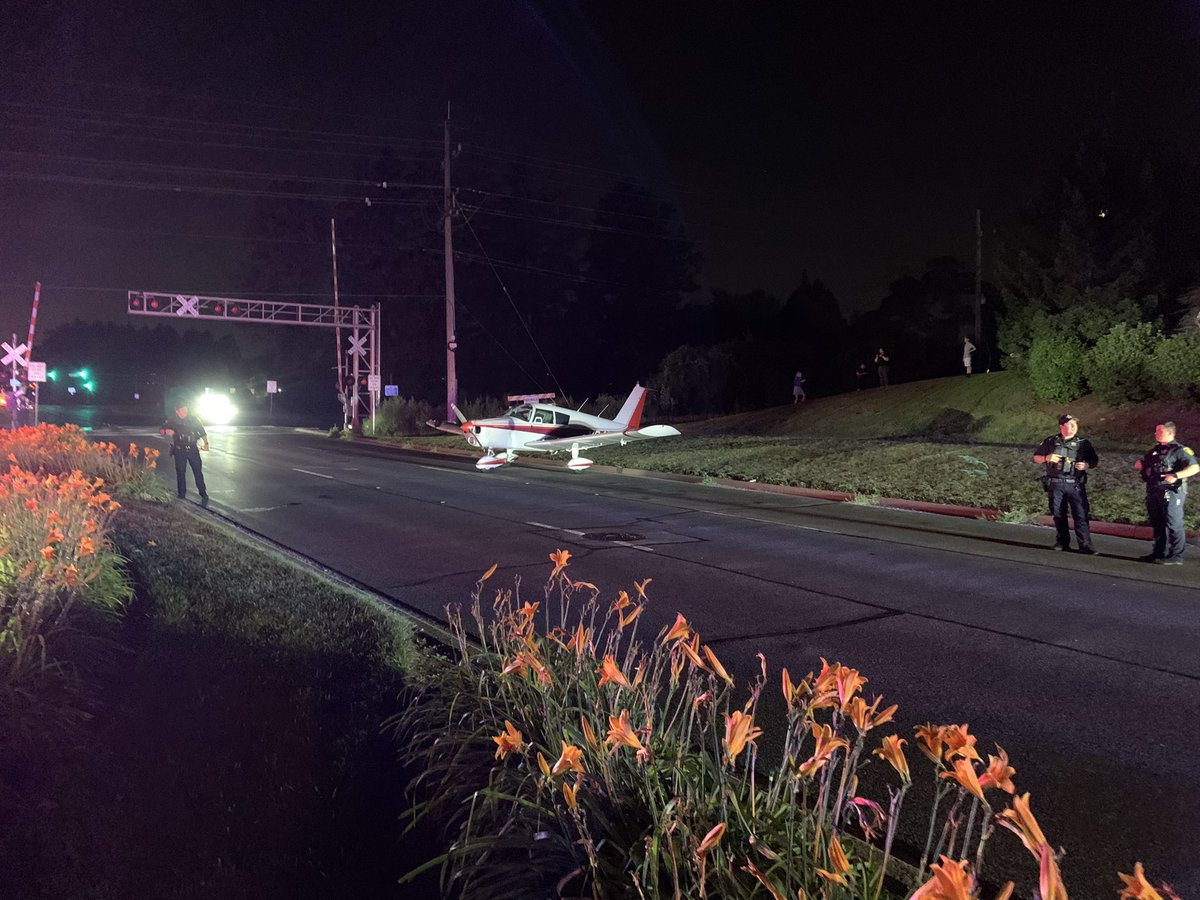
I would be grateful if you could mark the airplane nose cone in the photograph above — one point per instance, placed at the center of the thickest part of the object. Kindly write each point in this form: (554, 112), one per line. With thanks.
(467, 427)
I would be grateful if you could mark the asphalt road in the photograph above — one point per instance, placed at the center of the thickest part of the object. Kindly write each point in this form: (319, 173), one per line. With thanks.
(1086, 669)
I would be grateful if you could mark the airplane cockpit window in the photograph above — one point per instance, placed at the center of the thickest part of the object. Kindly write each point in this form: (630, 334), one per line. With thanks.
(519, 412)
(543, 416)
(561, 418)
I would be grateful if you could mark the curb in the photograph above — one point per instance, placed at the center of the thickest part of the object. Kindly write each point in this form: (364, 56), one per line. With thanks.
(1113, 529)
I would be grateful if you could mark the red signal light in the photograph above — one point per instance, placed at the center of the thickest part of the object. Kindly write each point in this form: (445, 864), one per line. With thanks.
(154, 304)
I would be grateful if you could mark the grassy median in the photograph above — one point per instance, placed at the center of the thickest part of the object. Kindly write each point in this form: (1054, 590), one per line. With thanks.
(235, 746)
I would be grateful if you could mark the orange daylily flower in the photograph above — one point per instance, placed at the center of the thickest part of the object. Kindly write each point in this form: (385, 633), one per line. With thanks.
(86, 546)
(570, 760)
(640, 587)
(764, 881)
(930, 741)
(47, 553)
(739, 731)
(711, 839)
(826, 745)
(999, 773)
(892, 751)
(589, 733)
(715, 663)
(835, 877)
(692, 651)
(580, 641)
(628, 617)
(559, 558)
(1050, 883)
(837, 856)
(571, 794)
(959, 742)
(1020, 821)
(849, 682)
(867, 717)
(31, 504)
(1006, 892)
(620, 732)
(951, 881)
(1137, 887)
(610, 671)
(964, 773)
(543, 764)
(508, 741)
(489, 573)
(678, 631)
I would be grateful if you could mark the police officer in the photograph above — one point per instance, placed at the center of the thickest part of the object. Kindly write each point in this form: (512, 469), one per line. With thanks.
(1067, 457)
(188, 437)
(1165, 469)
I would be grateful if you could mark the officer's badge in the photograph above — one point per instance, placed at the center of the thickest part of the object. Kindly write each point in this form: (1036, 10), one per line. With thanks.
(1188, 451)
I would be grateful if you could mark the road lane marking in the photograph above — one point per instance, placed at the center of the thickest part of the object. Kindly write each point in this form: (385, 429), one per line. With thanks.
(317, 474)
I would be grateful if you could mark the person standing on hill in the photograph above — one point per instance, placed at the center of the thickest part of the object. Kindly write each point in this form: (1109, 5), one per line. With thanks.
(798, 395)
(188, 438)
(1067, 458)
(881, 365)
(1165, 468)
(968, 349)
(860, 376)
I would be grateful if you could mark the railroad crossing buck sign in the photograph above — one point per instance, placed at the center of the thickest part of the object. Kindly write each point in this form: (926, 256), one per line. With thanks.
(361, 324)
(14, 354)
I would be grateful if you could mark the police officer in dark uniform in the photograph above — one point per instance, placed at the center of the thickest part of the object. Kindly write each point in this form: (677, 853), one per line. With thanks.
(1067, 458)
(1165, 469)
(188, 438)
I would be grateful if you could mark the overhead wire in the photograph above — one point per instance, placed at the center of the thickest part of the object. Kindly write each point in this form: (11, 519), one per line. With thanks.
(513, 304)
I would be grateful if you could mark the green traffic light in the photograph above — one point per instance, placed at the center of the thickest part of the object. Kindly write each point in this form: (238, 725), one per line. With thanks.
(52, 374)
(89, 387)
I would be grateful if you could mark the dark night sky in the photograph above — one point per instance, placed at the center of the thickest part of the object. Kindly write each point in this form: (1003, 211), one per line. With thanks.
(851, 141)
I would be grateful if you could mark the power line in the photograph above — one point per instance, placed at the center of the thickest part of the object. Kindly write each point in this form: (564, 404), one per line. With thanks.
(234, 293)
(513, 304)
(203, 170)
(202, 189)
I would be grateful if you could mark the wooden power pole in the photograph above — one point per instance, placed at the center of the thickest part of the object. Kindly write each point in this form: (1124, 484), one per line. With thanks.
(448, 251)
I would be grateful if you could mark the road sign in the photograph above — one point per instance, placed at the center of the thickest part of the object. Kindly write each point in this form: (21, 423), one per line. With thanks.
(13, 355)
(36, 371)
(391, 390)
(272, 387)
(373, 383)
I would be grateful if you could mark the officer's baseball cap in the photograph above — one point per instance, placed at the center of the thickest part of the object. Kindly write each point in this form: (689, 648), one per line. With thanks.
(1065, 418)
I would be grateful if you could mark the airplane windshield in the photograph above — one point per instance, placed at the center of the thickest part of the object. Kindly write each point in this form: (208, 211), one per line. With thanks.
(519, 412)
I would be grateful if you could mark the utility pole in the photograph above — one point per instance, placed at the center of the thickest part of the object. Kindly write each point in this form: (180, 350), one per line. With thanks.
(337, 332)
(979, 278)
(448, 251)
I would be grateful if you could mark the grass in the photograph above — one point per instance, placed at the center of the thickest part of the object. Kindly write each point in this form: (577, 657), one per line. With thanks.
(950, 440)
(236, 747)
(958, 441)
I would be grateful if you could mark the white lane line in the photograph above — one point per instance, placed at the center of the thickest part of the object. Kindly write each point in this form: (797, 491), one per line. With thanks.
(543, 525)
(440, 469)
(317, 474)
(713, 512)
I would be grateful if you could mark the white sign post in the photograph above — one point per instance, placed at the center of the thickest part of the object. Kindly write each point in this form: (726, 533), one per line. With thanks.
(36, 373)
(272, 390)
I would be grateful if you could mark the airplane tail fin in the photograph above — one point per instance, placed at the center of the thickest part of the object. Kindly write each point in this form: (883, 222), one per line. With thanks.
(630, 416)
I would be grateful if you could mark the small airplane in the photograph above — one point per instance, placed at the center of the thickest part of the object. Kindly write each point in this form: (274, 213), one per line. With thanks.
(539, 427)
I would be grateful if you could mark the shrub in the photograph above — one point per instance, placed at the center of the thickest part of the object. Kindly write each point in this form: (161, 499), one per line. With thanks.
(1057, 368)
(400, 416)
(1119, 365)
(575, 760)
(1175, 366)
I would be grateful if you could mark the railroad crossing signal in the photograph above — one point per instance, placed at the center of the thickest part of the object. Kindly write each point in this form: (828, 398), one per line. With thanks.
(14, 356)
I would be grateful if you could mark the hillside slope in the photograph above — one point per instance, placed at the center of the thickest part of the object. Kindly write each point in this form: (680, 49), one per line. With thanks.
(995, 407)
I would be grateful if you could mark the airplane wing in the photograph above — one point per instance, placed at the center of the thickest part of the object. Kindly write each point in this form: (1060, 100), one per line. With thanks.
(603, 438)
(445, 426)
